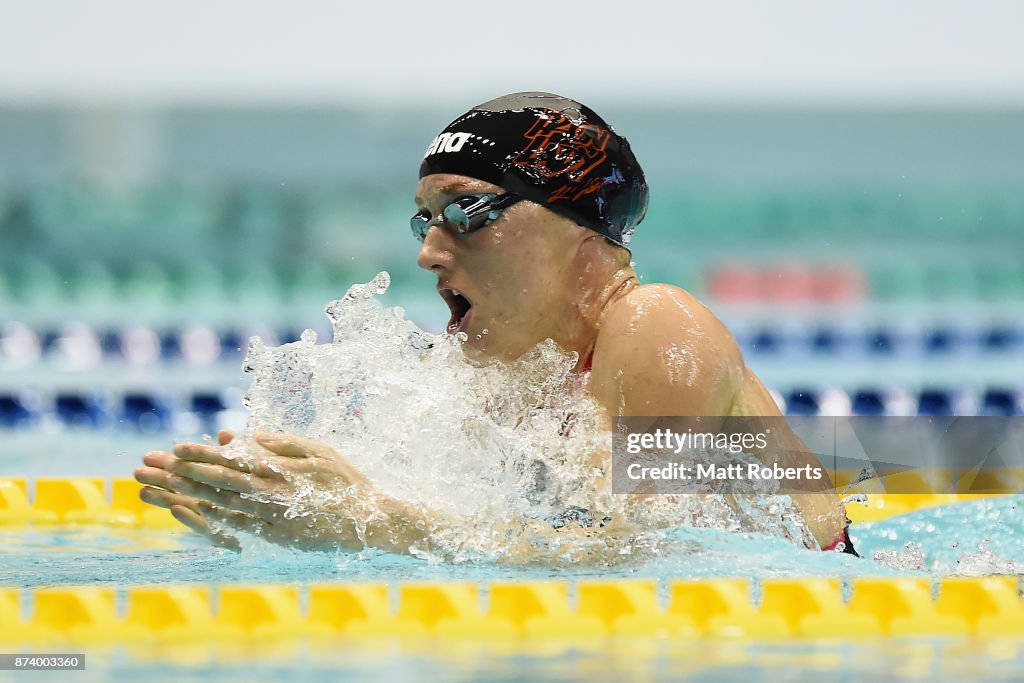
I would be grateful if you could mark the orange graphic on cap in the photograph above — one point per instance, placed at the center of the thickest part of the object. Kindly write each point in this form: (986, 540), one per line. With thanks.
(559, 149)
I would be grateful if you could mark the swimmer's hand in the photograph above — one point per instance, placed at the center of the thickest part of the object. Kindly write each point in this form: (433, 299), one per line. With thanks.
(185, 509)
(288, 490)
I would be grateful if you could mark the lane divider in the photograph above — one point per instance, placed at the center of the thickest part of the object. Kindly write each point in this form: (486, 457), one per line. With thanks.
(85, 500)
(934, 480)
(80, 500)
(804, 608)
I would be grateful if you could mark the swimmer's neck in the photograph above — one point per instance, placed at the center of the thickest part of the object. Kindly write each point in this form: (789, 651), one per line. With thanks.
(600, 279)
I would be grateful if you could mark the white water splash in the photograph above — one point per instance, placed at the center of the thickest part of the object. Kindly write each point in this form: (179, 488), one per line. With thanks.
(910, 559)
(984, 563)
(489, 446)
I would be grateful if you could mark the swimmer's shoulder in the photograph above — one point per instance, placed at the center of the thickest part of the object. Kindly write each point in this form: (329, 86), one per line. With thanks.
(660, 349)
(663, 308)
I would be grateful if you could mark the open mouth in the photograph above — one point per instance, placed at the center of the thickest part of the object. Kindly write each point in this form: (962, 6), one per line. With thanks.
(461, 308)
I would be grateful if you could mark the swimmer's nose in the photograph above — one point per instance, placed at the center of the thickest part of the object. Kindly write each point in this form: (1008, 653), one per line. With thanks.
(436, 252)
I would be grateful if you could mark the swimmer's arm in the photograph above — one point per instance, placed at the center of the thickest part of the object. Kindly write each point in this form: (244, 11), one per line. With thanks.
(821, 508)
(213, 495)
(661, 352)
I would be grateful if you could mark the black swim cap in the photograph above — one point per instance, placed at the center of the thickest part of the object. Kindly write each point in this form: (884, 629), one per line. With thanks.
(551, 150)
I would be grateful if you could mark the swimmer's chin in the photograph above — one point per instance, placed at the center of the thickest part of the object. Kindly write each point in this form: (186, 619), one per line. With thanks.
(478, 351)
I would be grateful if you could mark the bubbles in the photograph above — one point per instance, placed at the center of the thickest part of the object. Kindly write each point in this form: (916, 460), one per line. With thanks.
(381, 282)
(910, 559)
(984, 563)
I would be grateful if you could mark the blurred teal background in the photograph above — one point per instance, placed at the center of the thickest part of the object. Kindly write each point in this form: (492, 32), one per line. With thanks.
(119, 215)
(842, 184)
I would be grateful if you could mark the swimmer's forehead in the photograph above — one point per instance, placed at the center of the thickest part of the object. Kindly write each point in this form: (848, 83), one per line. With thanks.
(444, 186)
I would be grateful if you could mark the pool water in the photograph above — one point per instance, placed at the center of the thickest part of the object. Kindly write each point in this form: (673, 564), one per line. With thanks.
(973, 538)
(948, 537)
(717, 662)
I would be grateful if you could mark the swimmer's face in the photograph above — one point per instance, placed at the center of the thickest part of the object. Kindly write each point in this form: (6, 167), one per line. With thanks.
(505, 284)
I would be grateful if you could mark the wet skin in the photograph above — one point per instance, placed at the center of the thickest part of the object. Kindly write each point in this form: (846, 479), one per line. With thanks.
(531, 275)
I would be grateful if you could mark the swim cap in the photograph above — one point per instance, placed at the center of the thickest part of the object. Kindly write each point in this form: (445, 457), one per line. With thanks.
(551, 150)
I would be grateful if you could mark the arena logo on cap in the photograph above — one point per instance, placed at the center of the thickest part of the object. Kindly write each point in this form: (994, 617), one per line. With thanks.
(448, 142)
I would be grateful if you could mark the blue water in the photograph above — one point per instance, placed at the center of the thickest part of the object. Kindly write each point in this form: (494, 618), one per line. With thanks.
(599, 661)
(41, 556)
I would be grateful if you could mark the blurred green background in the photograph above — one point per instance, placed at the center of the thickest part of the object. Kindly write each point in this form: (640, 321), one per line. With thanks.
(118, 214)
(842, 183)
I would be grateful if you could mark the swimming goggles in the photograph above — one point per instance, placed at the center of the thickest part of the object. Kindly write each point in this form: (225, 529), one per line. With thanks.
(464, 215)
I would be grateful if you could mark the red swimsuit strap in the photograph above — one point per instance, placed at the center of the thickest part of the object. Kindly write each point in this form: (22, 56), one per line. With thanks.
(845, 540)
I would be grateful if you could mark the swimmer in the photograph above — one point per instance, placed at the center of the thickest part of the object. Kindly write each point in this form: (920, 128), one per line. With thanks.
(526, 206)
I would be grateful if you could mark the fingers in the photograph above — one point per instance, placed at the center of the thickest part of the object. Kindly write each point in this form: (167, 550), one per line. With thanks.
(158, 459)
(161, 478)
(236, 520)
(233, 519)
(264, 465)
(287, 445)
(167, 499)
(297, 447)
(198, 452)
(152, 476)
(211, 475)
(224, 437)
(197, 523)
(220, 477)
(215, 475)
